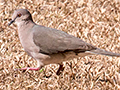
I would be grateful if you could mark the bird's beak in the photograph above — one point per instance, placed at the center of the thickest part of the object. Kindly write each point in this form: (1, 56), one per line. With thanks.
(11, 22)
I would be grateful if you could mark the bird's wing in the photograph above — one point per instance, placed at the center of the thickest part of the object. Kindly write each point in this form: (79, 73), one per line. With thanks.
(54, 41)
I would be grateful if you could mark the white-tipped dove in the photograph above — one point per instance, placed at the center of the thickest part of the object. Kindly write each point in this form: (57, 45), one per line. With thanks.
(48, 45)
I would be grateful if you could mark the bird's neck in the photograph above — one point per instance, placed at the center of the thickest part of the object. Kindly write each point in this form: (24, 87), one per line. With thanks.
(25, 24)
(25, 28)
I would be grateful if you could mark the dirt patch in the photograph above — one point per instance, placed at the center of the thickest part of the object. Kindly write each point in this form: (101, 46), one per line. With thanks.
(95, 21)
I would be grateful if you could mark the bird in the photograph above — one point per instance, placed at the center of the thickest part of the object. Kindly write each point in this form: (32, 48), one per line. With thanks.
(48, 45)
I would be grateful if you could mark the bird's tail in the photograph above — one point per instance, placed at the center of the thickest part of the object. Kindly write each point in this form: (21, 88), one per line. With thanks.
(104, 52)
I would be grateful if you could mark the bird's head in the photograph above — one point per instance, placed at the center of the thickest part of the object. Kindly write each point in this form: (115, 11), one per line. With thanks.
(20, 16)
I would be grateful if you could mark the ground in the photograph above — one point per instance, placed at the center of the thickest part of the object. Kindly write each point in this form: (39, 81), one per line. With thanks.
(95, 21)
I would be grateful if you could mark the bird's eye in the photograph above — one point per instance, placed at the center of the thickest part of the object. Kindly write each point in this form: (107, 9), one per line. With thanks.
(19, 15)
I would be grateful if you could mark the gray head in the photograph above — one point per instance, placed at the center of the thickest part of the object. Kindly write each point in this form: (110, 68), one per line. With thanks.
(20, 16)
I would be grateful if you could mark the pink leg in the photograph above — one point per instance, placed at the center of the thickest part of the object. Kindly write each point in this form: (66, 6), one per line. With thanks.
(29, 68)
(39, 66)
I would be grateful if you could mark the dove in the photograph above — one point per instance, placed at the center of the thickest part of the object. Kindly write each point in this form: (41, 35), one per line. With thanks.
(49, 45)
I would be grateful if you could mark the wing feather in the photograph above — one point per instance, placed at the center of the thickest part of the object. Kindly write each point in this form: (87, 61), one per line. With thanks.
(54, 41)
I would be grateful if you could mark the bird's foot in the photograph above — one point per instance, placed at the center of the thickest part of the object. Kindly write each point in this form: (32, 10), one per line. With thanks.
(29, 68)
(61, 68)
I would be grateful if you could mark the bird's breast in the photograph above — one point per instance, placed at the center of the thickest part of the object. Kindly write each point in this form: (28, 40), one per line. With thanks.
(27, 42)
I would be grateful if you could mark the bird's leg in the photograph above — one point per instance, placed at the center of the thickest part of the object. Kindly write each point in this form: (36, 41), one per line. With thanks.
(30, 68)
(39, 66)
(61, 68)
